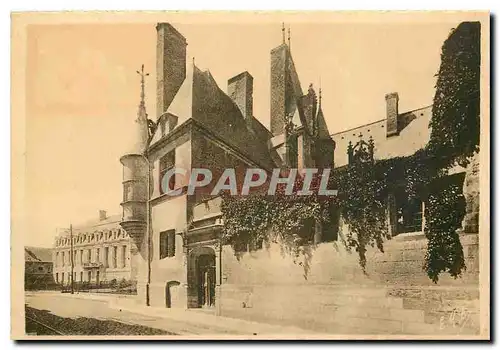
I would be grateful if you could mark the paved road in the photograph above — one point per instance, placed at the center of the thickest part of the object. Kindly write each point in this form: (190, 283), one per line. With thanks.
(75, 308)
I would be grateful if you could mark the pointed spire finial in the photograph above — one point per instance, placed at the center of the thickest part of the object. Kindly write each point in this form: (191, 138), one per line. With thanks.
(319, 91)
(283, 31)
(143, 75)
(289, 42)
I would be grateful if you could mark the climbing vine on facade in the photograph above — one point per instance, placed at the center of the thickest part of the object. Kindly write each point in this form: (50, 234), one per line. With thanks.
(365, 185)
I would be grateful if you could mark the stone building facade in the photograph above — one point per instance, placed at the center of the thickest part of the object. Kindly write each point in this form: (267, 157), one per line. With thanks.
(101, 252)
(180, 261)
(38, 268)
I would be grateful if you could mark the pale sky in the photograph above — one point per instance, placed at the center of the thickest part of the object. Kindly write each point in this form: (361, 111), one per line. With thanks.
(83, 92)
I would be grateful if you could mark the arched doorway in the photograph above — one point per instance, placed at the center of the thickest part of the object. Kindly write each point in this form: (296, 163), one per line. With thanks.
(201, 277)
(169, 287)
(205, 276)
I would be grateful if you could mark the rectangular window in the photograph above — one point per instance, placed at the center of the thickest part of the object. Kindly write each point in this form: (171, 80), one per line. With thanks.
(57, 259)
(115, 253)
(81, 276)
(106, 256)
(89, 275)
(62, 259)
(408, 213)
(57, 277)
(89, 255)
(127, 191)
(81, 256)
(243, 247)
(98, 255)
(124, 256)
(62, 277)
(167, 244)
(167, 162)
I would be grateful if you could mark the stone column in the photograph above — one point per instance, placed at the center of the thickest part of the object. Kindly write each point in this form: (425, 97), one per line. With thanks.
(471, 192)
(218, 279)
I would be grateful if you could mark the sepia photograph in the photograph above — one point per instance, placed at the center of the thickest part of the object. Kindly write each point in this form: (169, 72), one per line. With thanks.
(250, 175)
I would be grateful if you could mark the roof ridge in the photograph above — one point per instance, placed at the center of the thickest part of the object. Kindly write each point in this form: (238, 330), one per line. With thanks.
(378, 121)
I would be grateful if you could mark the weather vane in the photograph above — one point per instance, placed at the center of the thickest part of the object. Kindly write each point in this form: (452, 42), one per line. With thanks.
(143, 75)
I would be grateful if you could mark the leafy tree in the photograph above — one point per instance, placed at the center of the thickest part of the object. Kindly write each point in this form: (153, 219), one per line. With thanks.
(455, 111)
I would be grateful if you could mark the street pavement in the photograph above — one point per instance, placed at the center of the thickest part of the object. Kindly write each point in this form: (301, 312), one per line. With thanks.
(98, 309)
(194, 323)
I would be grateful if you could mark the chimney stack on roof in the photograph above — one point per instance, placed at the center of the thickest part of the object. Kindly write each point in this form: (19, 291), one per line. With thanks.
(392, 100)
(170, 65)
(102, 215)
(240, 89)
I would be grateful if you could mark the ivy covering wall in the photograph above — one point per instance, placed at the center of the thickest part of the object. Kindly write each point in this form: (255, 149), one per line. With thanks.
(364, 186)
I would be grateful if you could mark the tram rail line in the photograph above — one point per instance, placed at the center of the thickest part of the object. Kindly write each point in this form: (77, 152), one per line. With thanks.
(43, 325)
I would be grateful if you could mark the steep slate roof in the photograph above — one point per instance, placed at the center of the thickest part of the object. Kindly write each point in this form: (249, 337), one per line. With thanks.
(414, 135)
(200, 98)
(321, 124)
(37, 254)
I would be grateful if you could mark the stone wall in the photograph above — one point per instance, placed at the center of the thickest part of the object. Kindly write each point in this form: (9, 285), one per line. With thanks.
(168, 272)
(330, 263)
(267, 286)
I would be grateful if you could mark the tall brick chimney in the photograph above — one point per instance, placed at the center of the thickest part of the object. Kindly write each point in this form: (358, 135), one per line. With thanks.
(240, 89)
(279, 82)
(392, 101)
(170, 65)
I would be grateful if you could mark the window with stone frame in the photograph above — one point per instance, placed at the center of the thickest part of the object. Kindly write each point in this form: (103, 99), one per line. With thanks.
(167, 162)
(167, 244)
(246, 247)
(115, 255)
(124, 256)
(408, 213)
(106, 256)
